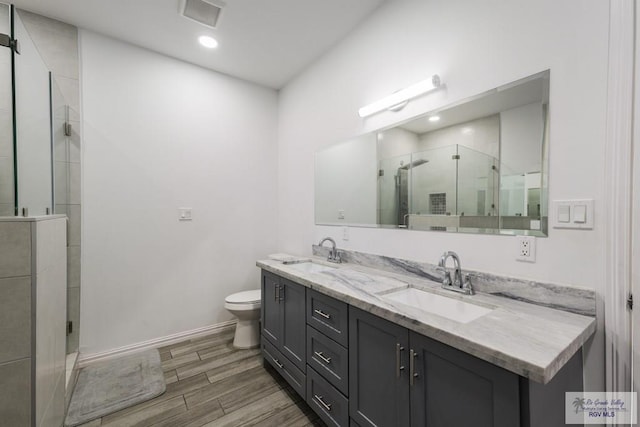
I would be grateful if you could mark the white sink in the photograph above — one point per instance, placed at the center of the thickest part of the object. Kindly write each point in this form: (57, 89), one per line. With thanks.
(310, 267)
(451, 308)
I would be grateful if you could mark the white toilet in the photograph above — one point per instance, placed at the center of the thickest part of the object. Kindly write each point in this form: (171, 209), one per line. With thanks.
(246, 307)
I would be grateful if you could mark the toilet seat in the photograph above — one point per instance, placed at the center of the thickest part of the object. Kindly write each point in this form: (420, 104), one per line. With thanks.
(245, 298)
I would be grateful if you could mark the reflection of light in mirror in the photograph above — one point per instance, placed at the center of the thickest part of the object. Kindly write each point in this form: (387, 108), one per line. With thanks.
(468, 131)
(434, 118)
(380, 136)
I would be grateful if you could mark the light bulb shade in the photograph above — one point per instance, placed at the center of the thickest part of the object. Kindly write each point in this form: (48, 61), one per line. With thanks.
(208, 42)
(401, 96)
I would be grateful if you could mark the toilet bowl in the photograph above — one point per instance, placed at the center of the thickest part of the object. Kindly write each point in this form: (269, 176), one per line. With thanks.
(246, 307)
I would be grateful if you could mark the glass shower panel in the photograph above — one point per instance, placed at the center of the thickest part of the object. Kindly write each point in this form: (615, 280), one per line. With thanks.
(33, 118)
(60, 114)
(477, 183)
(393, 190)
(7, 179)
(433, 175)
(512, 193)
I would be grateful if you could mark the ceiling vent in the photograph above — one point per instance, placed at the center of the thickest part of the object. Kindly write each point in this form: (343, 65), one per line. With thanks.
(202, 11)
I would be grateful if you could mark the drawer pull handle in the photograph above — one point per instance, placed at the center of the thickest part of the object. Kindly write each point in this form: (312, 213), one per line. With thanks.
(326, 406)
(399, 368)
(280, 365)
(412, 367)
(323, 314)
(324, 358)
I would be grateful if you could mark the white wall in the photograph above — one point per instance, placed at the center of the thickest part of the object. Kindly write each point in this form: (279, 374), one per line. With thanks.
(474, 46)
(162, 134)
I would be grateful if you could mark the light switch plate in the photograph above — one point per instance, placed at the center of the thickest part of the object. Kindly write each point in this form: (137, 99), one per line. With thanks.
(580, 214)
(185, 214)
(564, 213)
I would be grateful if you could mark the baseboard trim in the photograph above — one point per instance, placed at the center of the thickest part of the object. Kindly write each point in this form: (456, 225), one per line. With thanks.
(87, 359)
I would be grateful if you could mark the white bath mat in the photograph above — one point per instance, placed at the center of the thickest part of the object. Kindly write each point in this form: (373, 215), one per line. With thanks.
(107, 387)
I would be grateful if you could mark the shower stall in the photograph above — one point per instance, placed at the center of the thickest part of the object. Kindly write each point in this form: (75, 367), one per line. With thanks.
(37, 148)
(438, 189)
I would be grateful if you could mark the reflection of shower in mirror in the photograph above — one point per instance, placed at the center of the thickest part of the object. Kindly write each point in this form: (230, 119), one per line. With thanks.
(482, 167)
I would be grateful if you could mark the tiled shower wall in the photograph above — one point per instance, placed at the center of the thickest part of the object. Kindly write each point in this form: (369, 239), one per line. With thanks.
(32, 317)
(57, 44)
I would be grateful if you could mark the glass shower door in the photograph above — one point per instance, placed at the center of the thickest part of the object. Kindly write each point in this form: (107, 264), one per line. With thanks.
(434, 182)
(33, 127)
(393, 190)
(7, 171)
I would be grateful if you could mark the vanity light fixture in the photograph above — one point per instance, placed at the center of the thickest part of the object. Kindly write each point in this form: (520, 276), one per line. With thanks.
(400, 97)
(208, 42)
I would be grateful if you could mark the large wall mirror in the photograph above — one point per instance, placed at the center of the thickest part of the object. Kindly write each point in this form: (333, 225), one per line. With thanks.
(478, 166)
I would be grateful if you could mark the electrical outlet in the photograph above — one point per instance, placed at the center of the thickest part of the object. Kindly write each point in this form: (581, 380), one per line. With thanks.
(341, 214)
(526, 248)
(345, 233)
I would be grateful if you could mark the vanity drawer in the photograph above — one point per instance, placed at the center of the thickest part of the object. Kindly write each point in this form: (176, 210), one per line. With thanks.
(329, 316)
(294, 376)
(328, 358)
(326, 400)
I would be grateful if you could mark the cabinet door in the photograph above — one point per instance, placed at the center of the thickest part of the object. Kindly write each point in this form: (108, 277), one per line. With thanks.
(378, 371)
(294, 327)
(452, 388)
(271, 312)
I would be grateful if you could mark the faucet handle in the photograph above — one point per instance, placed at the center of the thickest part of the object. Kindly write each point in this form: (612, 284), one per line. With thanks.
(446, 281)
(467, 284)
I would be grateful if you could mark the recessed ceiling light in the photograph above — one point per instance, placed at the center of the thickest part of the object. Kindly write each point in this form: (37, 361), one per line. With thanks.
(434, 118)
(208, 41)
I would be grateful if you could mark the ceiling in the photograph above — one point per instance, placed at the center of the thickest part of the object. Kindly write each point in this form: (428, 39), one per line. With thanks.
(265, 42)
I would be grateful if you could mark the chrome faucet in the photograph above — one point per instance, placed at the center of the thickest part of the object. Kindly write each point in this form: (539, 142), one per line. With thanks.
(457, 284)
(334, 255)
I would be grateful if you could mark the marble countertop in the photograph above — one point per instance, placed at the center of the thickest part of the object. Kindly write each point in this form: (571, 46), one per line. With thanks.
(530, 340)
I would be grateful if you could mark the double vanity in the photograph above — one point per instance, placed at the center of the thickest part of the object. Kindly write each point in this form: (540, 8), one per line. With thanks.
(369, 347)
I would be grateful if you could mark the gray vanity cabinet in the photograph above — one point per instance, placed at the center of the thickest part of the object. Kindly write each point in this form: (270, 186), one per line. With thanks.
(271, 314)
(400, 378)
(378, 371)
(284, 328)
(452, 388)
(283, 317)
(294, 329)
(394, 377)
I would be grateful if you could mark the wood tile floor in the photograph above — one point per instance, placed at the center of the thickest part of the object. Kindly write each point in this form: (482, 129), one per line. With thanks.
(209, 383)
